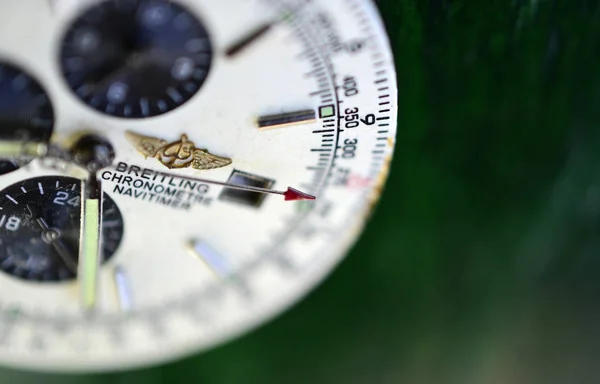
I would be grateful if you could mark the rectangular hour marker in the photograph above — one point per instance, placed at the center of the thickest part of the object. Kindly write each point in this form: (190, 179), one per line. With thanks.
(213, 259)
(9, 197)
(41, 188)
(247, 198)
(123, 288)
(288, 119)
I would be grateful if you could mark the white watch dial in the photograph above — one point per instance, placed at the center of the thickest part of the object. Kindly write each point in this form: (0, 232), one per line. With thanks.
(260, 93)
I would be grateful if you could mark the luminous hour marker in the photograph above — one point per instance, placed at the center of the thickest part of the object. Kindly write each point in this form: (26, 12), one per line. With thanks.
(9, 197)
(213, 259)
(123, 288)
(288, 119)
(41, 188)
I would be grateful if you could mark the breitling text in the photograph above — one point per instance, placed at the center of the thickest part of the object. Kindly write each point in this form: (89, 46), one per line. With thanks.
(154, 187)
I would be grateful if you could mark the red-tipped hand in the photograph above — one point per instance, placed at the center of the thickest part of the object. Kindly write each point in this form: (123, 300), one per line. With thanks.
(294, 195)
(291, 194)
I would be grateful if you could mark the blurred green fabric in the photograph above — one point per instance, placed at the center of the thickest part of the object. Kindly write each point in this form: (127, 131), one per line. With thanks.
(481, 263)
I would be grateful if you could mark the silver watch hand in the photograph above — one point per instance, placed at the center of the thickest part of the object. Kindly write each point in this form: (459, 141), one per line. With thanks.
(90, 248)
(93, 153)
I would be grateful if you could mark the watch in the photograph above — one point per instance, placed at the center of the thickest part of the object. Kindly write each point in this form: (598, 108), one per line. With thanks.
(175, 173)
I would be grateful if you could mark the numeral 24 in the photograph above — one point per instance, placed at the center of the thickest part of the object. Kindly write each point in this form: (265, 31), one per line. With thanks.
(62, 198)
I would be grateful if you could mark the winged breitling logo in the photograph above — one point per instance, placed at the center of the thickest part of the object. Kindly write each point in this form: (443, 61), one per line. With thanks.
(177, 154)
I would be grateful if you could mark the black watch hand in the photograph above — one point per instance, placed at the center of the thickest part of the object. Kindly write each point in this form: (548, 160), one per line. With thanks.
(54, 238)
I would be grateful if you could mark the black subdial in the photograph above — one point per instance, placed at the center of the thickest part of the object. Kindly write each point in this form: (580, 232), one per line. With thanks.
(25, 110)
(40, 224)
(136, 58)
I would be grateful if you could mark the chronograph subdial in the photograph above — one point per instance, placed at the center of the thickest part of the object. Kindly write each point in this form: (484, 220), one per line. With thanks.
(26, 113)
(40, 228)
(135, 59)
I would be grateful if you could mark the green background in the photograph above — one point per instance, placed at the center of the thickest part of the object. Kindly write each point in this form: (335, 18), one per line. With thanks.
(481, 263)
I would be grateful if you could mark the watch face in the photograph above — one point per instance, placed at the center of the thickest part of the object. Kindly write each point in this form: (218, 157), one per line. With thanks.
(251, 139)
